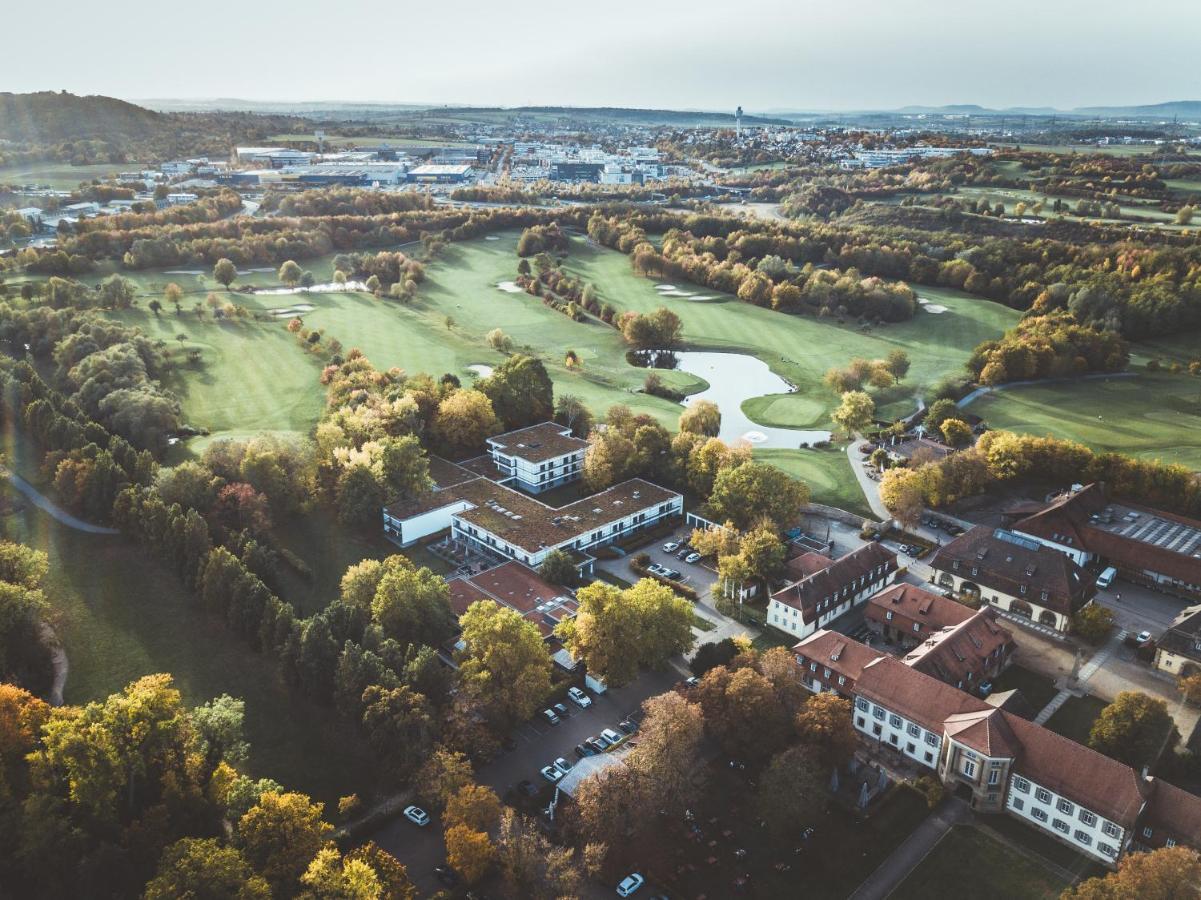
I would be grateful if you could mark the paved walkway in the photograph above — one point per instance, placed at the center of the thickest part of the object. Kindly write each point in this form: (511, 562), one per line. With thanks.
(53, 509)
(951, 812)
(1087, 671)
(981, 391)
(870, 488)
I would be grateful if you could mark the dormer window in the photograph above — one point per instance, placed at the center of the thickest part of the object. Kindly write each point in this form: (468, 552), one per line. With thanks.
(1022, 588)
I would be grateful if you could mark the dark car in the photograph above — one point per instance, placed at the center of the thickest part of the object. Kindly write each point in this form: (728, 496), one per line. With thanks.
(528, 788)
(582, 750)
(673, 574)
(627, 726)
(561, 710)
(599, 744)
(446, 875)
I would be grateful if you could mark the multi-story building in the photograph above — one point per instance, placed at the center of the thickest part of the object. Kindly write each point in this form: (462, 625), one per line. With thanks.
(1002, 762)
(539, 457)
(1180, 645)
(1145, 545)
(500, 521)
(831, 590)
(1016, 575)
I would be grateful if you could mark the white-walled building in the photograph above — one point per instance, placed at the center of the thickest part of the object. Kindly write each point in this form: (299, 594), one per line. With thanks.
(539, 457)
(821, 597)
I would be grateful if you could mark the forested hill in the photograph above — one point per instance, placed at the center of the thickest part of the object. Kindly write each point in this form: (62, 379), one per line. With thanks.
(50, 118)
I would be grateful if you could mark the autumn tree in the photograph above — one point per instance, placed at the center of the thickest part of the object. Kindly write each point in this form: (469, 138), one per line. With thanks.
(503, 663)
(530, 865)
(750, 492)
(824, 724)
(400, 728)
(956, 432)
(290, 273)
(443, 775)
(204, 869)
(393, 877)
(412, 605)
(571, 412)
(281, 835)
(464, 420)
(224, 272)
(469, 852)
(1093, 623)
(855, 412)
(898, 364)
(1189, 684)
(1135, 728)
(1171, 873)
(475, 806)
(521, 392)
(792, 792)
(330, 876)
(701, 417)
(558, 568)
(741, 712)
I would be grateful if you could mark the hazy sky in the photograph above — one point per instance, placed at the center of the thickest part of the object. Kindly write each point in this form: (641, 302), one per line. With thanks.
(763, 54)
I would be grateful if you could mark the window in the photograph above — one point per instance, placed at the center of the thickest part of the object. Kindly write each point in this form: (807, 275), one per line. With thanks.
(859, 721)
(1022, 588)
(826, 673)
(1039, 814)
(842, 679)
(1087, 818)
(1065, 807)
(930, 759)
(1017, 803)
(861, 704)
(893, 739)
(1060, 825)
(813, 667)
(1147, 831)
(994, 776)
(1021, 784)
(975, 570)
(878, 712)
(894, 720)
(1106, 849)
(931, 739)
(909, 748)
(1111, 829)
(1170, 842)
(1043, 796)
(969, 768)
(876, 730)
(955, 565)
(913, 730)
(888, 615)
(1083, 837)
(917, 626)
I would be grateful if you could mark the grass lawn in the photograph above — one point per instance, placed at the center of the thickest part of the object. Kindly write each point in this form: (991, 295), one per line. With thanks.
(120, 616)
(998, 872)
(1153, 415)
(1037, 689)
(1044, 846)
(827, 472)
(1075, 718)
(60, 176)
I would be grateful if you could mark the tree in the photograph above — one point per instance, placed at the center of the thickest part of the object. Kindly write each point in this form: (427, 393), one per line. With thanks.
(404, 470)
(1171, 873)
(558, 568)
(571, 412)
(499, 341)
(710, 656)
(219, 731)
(155, 307)
(475, 806)
(359, 495)
(280, 835)
(855, 413)
(668, 752)
(400, 728)
(701, 417)
(824, 724)
(742, 714)
(290, 273)
(393, 877)
(469, 852)
(746, 493)
(1189, 684)
(224, 272)
(938, 412)
(1135, 728)
(202, 869)
(521, 392)
(956, 432)
(792, 792)
(1093, 623)
(331, 877)
(530, 865)
(615, 631)
(504, 663)
(763, 552)
(413, 606)
(464, 420)
(1185, 214)
(443, 775)
(898, 364)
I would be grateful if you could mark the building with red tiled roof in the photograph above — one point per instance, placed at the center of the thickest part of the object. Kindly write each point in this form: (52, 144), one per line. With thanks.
(1000, 761)
(1145, 545)
(832, 662)
(1016, 575)
(907, 614)
(1180, 646)
(817, 599)
(519, 588)
(965, 655)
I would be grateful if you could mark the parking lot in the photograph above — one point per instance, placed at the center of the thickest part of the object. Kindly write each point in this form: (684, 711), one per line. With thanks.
(698, 576)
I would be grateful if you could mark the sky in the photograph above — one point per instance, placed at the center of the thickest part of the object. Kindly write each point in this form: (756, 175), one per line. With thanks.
(761, 54)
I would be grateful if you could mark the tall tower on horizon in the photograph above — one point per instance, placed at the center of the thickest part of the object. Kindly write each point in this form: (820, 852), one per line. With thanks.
(738, 122)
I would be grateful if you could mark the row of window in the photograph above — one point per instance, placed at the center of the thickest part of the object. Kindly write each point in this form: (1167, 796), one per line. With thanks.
(1042, 795)
(871, 576)
(1044, 595)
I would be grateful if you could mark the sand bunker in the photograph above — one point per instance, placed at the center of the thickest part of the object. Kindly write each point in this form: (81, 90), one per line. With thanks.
(184, 272)
(754, 437)
(480, 370)
(289, 311)
(491, 237)
(316, 289)
(665, 287)
(685, 294)
(922, 300)
(510, 287)
(935, 308)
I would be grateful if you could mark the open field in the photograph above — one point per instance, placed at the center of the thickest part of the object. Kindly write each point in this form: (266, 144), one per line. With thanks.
(1150, 151)
(998, 871)
(827, 472)
(120, 616)
(59, 175)
(1151, 416)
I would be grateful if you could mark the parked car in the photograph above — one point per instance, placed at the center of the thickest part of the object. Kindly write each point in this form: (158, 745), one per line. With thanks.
(985, 688)
(612, 736)
(583, 750)
(671, 546)
(692, 558)
(550, 716)
(905, 548)
(627, 726)
(1141, 638)
(691, 681)
(417, 815)
(599, 744)
(551, 774)
(656, 569)
(563, 765)
(446, 875)
(953, 529)
(579, 698)
(629, 884)
(528, 788)
(671, 574)
(560, 710)
(684, 553)
(1105, 579)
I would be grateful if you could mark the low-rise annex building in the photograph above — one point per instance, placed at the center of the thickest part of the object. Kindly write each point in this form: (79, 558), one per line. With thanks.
(1180, 646)
(1015, 575)
(999, 761)
(832, 589)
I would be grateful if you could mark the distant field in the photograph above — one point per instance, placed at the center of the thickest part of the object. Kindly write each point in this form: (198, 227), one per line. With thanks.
(60, 176)
(1109, 150)
(335, 140)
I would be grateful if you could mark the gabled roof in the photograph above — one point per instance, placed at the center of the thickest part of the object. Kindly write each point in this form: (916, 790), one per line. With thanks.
(914, 695)
(1005, 562)
(805, 594)
(1173, 811)
(952, 652)
(1184, 634)
(910, 604)
(985, 731)
(837, 652)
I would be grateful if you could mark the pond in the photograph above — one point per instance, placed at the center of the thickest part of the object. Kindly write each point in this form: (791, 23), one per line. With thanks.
(734, 377)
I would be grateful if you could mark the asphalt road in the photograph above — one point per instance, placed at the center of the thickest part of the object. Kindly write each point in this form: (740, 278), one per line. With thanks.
(538, 744)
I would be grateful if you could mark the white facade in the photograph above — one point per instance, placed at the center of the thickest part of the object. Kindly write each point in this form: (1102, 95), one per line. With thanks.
(790, 619)
(423, 525)
(882, 724)
(1086, 831)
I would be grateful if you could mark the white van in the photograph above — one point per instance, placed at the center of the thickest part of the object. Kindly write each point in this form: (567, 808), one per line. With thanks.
(1105, 579)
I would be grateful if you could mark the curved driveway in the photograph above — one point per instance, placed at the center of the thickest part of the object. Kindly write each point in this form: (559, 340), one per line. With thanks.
(53, 509)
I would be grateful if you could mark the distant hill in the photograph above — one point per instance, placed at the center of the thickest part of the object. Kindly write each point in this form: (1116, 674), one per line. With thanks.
(1184, 109)
(50, 118)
